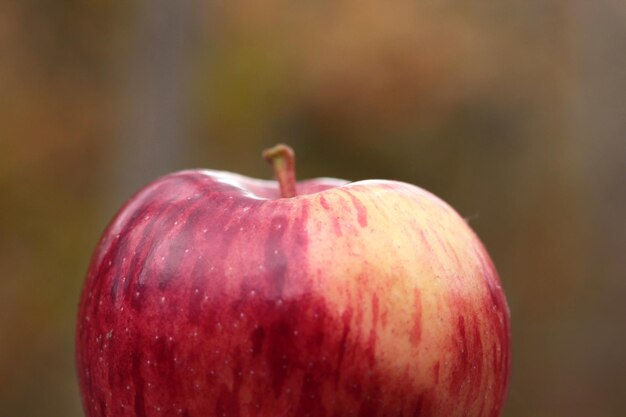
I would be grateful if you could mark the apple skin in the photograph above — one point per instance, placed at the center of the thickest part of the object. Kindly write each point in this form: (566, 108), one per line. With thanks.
(210, 296)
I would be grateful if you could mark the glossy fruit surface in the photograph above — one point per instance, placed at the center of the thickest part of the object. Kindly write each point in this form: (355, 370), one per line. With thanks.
(210, 296)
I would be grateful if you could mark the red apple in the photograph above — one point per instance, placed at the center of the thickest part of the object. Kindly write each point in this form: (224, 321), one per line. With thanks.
(214, 295)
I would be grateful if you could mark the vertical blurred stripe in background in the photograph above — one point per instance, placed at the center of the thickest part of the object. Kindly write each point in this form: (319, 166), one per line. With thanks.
(511, 110)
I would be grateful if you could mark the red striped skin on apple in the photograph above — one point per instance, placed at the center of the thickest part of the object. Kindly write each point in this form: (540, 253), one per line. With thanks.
(209, 295)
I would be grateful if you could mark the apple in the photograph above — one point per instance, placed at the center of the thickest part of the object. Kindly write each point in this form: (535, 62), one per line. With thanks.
(211, 294)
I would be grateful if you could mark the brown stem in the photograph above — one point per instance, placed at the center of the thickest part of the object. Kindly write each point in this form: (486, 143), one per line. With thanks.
(283, 160)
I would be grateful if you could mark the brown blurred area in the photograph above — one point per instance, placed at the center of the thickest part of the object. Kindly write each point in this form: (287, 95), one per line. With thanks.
(513, 111)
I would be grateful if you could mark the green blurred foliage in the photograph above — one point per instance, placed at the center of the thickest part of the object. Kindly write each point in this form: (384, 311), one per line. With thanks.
(509, 110)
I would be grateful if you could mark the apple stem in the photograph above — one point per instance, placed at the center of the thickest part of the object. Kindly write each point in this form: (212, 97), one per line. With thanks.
(283, 160)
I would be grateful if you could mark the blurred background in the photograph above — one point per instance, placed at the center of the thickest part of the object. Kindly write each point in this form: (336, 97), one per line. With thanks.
(514, 111)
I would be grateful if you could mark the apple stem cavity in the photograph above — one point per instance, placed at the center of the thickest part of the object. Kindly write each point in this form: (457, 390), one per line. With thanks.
(283, 160)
